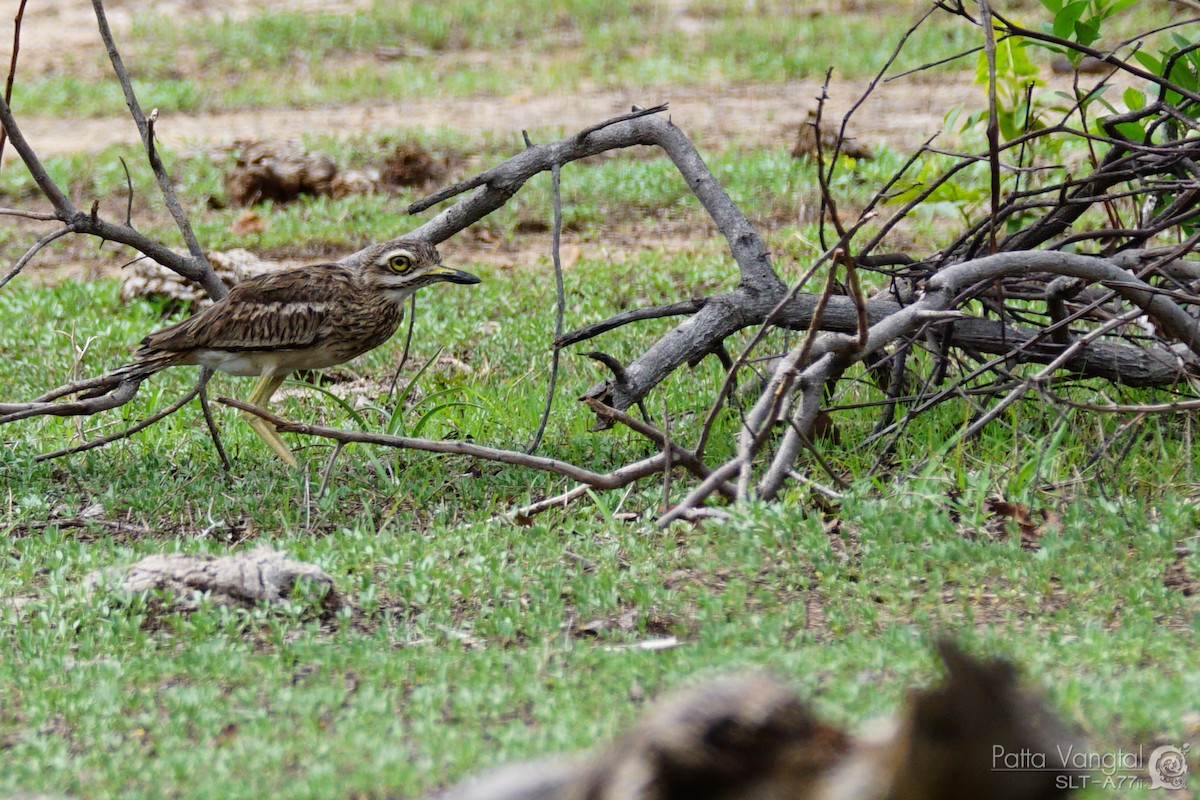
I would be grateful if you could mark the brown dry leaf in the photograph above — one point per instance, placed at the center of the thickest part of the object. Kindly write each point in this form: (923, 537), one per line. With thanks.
(248, 222)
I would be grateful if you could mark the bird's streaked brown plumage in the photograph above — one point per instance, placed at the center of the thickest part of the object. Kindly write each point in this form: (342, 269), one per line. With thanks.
(304, 318)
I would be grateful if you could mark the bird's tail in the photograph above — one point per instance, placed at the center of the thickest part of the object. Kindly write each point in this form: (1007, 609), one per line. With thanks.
(146, 362)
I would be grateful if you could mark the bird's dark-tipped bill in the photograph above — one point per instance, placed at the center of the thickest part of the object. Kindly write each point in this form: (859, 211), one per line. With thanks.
(456, 276)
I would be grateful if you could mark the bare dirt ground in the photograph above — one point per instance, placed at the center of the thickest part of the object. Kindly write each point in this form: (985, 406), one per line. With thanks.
(902, 114)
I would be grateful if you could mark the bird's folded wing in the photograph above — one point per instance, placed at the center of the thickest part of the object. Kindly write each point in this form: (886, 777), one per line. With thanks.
(277, 311)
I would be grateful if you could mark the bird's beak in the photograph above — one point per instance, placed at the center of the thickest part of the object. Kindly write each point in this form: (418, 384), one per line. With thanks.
(453, 275)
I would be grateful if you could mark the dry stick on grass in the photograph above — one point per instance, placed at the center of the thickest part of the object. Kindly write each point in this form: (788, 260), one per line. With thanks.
(146, 423)
(592, 479)
(723, 314)
(1038, 378)
(119, 396)
(761, 284)
(1142, 262)
(677, 452)
(616, 479)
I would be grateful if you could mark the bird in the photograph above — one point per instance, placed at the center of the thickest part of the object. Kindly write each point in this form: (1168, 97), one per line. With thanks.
(302, 318)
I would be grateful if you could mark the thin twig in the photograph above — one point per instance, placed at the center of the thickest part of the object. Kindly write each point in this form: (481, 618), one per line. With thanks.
(426, 445)
(328, 471)
(412, 319)
(668, 451)
(500, 173)
(634, 114)
(128, 193)
(130, 431)
(633, 315)
(684, 456)
(560, 302)
(206, 374)
(31, 252)
(993, 122)
(706, 488)
(119, 396)
(212, 285)
(1018, 392)
(12, 70)
(616, 479)
(34, 215)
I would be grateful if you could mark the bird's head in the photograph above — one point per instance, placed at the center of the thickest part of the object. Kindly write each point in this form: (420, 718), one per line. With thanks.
(402, 266)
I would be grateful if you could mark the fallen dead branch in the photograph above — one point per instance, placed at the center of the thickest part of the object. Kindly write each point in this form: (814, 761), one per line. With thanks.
(590, 480)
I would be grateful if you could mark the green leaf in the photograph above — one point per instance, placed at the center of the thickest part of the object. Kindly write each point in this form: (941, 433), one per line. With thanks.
(1132, 131)
(1148, 61)
(1134, 99)
(1183, 74)
(1065, 20)
(1087, 31)
(1117, 7)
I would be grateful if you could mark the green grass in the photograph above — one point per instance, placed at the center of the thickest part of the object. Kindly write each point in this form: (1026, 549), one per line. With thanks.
(458, 652)
(460, 657)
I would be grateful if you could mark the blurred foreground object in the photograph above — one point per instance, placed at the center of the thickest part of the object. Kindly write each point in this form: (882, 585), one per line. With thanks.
(749, 737)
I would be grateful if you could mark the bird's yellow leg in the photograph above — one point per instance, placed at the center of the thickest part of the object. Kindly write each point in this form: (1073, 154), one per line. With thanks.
(261, 396)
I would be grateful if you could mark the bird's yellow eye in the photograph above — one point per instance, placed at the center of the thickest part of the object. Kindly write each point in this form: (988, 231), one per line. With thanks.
(400, 264)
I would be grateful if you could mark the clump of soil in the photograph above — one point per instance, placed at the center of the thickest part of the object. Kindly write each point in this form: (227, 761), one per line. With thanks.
(410, 164)
(283, 171)
(276, 171)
